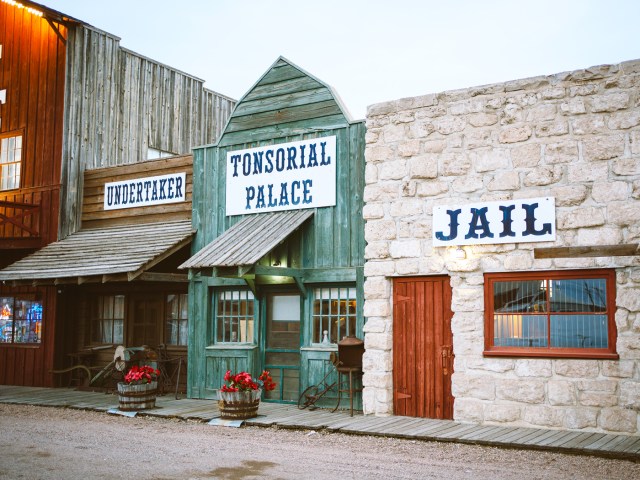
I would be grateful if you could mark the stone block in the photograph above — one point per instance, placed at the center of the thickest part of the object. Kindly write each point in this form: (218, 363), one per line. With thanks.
(468, 410)
(544, 175)
(377, 341)
(433, 146)
(379, 268)
(561, 392)
(380, 192)
(482, 119)
(523, 391)
(618, 369)
(431, 188)
(629, 298)
(488, 364)
(502, 413)
(467, 184)
(630, 395)
(378, 154)
(541, 113)
(394, 133)
(392, 170)
(454, 164)
(425, 166)
(576, 368)
(623, 213)
(404, 248)
(478, 138)
(375, 325)
(376, 250)
(610, 102)
(587, 172)
(377, 287)
(533, 368)
(583, 89)
(515, 134)
(552, 129)
(407, 266)
(588, 125)
(569, 195)
(599, 236)
(379, 230)
(383, 380)
(580, 218)
(377, 361)
(543, 416)
(409, 148)
(519, 261)
(579, 418)
(624, 121)
(490, 160)
(562, 152)
(371, 137)
(406, 208)
(626, 167)
(603, 147)
(373, 211)
(504, 181)
(617, 419)
(605, 192)
(526, 155)
(473, 387)
(370, 174)
(575, 106)
(449, 125)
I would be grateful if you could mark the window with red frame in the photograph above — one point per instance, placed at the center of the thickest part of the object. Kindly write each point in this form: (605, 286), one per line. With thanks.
(551, 314)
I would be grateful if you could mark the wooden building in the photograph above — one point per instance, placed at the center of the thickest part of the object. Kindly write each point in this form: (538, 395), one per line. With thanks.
(71, 99)
(277, 271)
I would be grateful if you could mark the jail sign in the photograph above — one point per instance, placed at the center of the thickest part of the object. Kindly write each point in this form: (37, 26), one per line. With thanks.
(514, 221)
(285, 176)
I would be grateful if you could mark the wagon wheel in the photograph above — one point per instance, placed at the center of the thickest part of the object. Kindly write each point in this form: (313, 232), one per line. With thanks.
(120, 357)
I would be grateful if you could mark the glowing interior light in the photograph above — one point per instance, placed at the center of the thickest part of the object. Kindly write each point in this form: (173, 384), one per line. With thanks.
(31, 10)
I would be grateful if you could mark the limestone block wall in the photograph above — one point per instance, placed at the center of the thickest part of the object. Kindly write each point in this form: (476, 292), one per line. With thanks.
(574, 136)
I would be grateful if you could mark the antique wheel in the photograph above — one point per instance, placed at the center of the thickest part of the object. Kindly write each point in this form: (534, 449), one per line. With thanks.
(308, 397)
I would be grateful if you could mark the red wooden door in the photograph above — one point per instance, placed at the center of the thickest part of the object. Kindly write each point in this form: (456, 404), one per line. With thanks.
(422, 347)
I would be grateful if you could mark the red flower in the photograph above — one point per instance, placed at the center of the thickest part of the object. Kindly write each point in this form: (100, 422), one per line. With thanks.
(244, 382)
(141, 375)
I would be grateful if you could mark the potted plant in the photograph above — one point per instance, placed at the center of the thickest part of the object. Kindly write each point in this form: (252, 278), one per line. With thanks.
(139, 389)
(240, 395)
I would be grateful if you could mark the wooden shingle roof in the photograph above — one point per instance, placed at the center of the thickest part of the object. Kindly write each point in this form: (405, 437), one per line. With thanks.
(246, 242)
(116, 253)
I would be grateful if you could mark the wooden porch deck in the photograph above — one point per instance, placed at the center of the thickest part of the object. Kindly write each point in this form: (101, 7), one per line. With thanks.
(288, 416)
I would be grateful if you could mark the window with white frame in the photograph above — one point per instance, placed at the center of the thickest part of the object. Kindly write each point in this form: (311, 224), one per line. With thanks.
(10, 162)
(333, 314)
(557, 314)
(234, 316)
(177, 319)
(108, 323)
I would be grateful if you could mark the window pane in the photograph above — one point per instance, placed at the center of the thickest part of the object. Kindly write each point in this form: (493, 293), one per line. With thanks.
(579, 331)
(333, 314)
(584, 295)
(6, 319)
(10, 157)
(520, 296)
(234, 316)
(28, 321)
(520, 330)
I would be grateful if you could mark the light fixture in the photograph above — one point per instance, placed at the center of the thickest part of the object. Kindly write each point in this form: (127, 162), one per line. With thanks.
(459, 254)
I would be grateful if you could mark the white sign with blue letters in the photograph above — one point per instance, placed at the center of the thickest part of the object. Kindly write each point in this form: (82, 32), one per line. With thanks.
(144, 192)
(512, 221)
(285, 176)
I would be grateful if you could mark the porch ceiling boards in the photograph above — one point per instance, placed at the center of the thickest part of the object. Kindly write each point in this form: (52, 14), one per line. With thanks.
(246, 242)
(122, 253)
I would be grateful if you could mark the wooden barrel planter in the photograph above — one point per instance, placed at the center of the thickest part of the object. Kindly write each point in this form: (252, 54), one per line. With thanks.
(137, 397)
(239, 405)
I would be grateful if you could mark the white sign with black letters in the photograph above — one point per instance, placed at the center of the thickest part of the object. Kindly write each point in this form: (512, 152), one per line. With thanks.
(513, 221)
(286, 176)
(144, 192)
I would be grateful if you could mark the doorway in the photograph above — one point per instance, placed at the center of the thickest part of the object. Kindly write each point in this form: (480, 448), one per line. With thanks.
(145, 321)
(422, 347)
(282, 345)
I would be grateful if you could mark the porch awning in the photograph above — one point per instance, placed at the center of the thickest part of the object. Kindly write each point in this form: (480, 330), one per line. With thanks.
(246, 242)
(122, 253)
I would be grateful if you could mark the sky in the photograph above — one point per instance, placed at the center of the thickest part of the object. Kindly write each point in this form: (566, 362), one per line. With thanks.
(370, 51)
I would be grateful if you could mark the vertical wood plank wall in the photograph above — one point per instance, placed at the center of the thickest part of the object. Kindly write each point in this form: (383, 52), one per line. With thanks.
(120, 104)
(32, 70)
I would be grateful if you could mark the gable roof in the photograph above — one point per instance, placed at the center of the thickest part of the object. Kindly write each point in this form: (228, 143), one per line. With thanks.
(285, 101)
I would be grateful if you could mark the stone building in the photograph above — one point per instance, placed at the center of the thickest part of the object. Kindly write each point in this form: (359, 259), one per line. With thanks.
(544, 333)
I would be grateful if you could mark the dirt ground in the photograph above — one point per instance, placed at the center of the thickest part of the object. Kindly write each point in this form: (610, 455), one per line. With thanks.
(55, 443)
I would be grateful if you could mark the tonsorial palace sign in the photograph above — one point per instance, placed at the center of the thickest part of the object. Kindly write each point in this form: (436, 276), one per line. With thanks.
(286, 176)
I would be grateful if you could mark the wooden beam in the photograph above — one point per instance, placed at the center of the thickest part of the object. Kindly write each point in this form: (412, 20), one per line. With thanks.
(252, 285)
(624, 250)
(163, 277)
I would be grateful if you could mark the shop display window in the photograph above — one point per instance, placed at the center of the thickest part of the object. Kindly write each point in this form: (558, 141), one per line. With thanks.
(333, 314)
(20, 319)
(177, 319)
(108, 324)
(565, 313)
(234, 316)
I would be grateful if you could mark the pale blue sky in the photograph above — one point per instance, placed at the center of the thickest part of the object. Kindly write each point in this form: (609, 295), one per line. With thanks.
(370, 51)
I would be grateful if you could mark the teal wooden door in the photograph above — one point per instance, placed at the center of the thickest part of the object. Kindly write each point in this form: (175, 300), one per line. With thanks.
(282, 345)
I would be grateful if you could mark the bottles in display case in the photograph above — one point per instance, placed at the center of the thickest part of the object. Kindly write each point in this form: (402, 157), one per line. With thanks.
(20, 320)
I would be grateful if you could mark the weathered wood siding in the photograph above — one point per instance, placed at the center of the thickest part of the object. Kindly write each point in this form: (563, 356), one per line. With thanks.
(120, 104)
(285, 105)
(94, 215)
(32, 72)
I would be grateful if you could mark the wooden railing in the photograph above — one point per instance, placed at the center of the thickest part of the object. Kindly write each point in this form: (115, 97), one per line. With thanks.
(21, 212)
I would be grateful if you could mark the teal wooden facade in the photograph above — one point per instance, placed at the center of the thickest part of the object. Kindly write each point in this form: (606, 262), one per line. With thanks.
(318, 267)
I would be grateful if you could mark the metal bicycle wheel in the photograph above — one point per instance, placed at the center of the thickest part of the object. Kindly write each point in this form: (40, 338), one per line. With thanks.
(308, 397)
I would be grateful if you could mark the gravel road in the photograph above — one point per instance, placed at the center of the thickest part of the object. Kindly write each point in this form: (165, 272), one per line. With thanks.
(56, 443)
